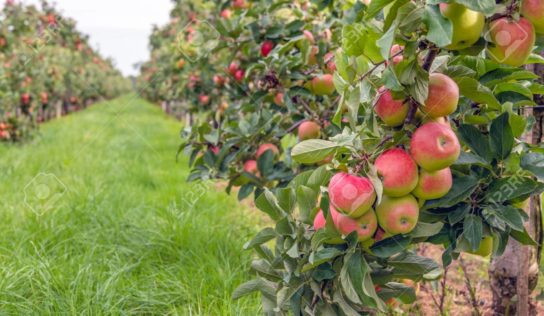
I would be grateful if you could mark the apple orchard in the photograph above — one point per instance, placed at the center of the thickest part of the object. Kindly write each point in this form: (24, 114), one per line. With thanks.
(364, 129)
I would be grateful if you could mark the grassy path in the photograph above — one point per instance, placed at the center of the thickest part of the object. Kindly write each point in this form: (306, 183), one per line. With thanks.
(120, 232)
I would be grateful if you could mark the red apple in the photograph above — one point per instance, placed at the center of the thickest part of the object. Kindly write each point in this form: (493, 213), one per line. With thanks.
(320, 222)
(309, 130)
(239, 4)
(218, 80)
(239, 75)
(398, 215)
(394, 50)
(309, 36)
(433, 184)
(392, 112)
(44, 97)
(398, 172)
(365, 226)
(233, 68)
(266, 48)
(25, 98)
(225, 14)
(533, 10)
(443, 96)
(513, 41)
(180, 64)
(323, 85)
(204, 99)
(351, 194)
(265, 147)
(250, 166)
(278, 99)
(330, 65)
(434, 146)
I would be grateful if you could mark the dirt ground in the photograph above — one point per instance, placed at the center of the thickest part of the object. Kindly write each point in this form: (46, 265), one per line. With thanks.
(457, 300)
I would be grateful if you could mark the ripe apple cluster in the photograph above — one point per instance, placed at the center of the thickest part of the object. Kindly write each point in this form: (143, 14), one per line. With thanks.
(409, 177)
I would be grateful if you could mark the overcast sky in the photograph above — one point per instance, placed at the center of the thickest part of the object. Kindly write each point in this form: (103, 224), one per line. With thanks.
(119, 28)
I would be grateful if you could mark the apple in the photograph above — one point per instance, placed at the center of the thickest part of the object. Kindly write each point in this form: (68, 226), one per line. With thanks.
(265, 147)
(352, 195)
(330, 65)
(239, 4)
(239, 75)
(485, 249)
(398, 215)
(180, 64)
(320, 221)
(309, 36)
(225, 14)
(398, 172)
(433, 184)
(308, 130)
(44, 97)
(512, 41)
(250, 166)
(392, 112)
(322, 85)
(533, 10)
(278, 99)
(204, 99)
(218, 80)
(25, 98)
(434, 146)
(395, 49)
(443, 96)
(365, 226)
(266, 48)
(468, 25)
(312, 60)
(233, 68)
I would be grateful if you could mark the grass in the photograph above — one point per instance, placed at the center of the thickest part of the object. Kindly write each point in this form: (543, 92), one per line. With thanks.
(122, 233)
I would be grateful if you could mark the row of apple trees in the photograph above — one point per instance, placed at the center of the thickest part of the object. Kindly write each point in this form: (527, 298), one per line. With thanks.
(362, 128)
(48, 69)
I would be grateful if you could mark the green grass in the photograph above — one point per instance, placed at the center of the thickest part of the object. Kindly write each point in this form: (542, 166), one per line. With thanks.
(121, 235)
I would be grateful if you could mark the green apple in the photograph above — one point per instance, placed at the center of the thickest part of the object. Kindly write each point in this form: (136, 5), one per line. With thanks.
(468, 25)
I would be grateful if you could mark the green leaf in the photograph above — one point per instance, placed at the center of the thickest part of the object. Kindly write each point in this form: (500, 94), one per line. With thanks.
(535, 59)
(414, 264)
(440, 29)
(534, 163)
(286, 199)
(510, 215)
(471, 159)
(323, 255)
(513, 87)
(485, 6)
(391, 81)
(458, 213)
(523, 237)
(501, 136)
(390, 246)
(312, 151)
(462, 188)
(253, 286)
(511, 188)
(423, 229)
(473, 230)
(386, 42)
(262, 237)
(320, 177)
(268, 203)
(375, 7)
(475, 140)
(477, 92)
(307, 201)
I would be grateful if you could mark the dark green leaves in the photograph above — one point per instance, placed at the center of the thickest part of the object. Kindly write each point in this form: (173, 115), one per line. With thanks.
(390, 246)
(485, 6)
(473, 230)
(440, 29)
(462, 188)
(534, 163)
(313, 151)
(515, 187)
(501, 137)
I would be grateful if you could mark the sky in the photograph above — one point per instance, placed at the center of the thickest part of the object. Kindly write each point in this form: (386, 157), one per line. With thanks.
(118, 28)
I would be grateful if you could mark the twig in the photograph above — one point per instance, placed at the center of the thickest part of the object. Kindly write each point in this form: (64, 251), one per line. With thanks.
(443, 294)
(471, 290)
(294, 126)
(366, 74)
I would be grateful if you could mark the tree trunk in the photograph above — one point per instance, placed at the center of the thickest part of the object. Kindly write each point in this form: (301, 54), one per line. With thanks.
(514, 275)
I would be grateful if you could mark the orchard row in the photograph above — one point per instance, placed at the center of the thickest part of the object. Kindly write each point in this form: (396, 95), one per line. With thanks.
(48, 69)
(362, 128)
